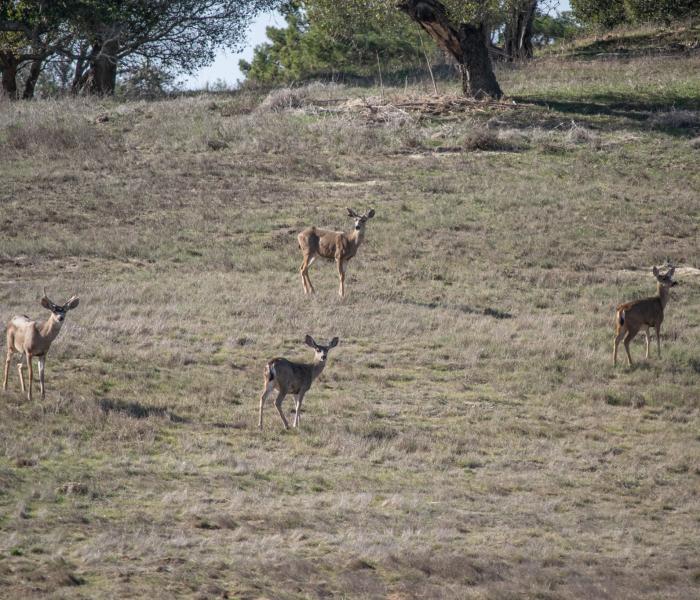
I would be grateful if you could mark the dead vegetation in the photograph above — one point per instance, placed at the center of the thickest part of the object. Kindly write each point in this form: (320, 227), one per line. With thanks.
(470, 439)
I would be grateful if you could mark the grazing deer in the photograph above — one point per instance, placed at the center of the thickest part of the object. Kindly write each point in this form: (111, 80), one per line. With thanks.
(34, 338)
(293, 378)
(333, 245)
(630, 317)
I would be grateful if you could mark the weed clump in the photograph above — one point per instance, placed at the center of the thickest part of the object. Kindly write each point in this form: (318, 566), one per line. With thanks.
(289, 98)
(676, 119)
(491, 140)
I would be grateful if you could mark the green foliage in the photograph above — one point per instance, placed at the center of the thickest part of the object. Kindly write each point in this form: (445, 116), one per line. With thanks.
(660, 10)
(146, 81)
(307, 47)
(339, 15)
(609, 13)
(175, 36)
(601, 13)
(547, 29)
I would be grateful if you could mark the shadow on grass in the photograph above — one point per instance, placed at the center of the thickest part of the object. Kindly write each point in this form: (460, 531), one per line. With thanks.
(234, 425)
(639, 45)
(640, 112)
(136, 410)
(464, 308)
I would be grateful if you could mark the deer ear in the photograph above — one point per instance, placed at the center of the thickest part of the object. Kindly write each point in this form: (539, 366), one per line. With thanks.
(309, 341)
(72, 303)
(46, 303)
(655, 271)
(351, 212)
(370, 213)
(670, 272)
(333, 343)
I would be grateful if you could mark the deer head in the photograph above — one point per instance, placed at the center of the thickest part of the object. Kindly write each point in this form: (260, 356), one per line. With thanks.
(360, 220)
(321, 351)
(666, 280)
(59, 311)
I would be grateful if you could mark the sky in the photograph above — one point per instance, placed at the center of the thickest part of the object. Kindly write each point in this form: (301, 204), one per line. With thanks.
(225, 67)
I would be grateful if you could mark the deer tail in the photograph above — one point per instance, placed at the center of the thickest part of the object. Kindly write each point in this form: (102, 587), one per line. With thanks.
(621, 316)
(270, 371)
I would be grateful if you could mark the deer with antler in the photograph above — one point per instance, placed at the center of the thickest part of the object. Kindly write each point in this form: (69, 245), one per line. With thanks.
(289, 377)
(33, 339)
(332, 245)
(630, 317)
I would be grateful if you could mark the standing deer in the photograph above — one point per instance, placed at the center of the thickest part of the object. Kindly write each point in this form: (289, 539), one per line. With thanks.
(630, 317)
(333, 245)
(34, 338)
(293, 378)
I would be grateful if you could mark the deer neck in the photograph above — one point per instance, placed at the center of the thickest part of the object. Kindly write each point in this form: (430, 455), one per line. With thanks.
(317, 368)
(662, 293)
(356, 237)
(49, 329)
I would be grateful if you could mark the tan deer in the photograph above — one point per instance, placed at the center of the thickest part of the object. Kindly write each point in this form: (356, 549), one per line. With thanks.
(293, 378)
(630, 317)
(332, 245)
(33, 338)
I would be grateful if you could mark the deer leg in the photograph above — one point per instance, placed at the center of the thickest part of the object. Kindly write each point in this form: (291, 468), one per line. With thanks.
(305, 281)
(342, 265)
(297, 410)
(618, 339)
(29, 374)
(658, 338)
(278, 406)
(308, 279)
(8, 359)
(269, 386)
(628, 339)
(42, 365)
(646, 337)
(21, 376)
(304, 267)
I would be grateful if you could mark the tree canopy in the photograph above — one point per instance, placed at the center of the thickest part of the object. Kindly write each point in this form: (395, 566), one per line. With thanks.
(306, 48)
(102, 37)
(326, 35)
(609, 13)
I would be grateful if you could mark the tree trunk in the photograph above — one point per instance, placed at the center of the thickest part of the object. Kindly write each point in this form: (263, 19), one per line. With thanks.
(8, 64)
(467, 45)
(103, 69)
(518, 32)
(478, 79)
(79, 73)
(30, 83)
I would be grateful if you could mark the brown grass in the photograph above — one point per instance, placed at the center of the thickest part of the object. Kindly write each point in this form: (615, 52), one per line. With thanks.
(469, 437)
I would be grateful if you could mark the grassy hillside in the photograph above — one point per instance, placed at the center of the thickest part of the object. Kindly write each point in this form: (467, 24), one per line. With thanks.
(469, 436)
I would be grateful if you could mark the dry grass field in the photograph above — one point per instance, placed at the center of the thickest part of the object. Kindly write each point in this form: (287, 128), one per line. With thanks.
(469, 437)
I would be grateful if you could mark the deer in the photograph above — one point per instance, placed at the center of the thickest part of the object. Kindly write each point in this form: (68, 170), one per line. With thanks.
(332, 245)
(630, 317)
(34, 338)
(289, 377)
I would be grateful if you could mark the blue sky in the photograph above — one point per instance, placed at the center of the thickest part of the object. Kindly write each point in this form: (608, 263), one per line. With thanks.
(225, 67)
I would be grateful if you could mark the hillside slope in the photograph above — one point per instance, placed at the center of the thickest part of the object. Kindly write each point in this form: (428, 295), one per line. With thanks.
(469, 436)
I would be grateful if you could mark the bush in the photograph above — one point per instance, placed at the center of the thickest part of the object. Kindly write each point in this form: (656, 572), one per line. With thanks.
(609, 13)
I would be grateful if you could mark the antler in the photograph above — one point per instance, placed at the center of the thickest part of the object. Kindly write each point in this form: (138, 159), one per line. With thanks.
(47, 298)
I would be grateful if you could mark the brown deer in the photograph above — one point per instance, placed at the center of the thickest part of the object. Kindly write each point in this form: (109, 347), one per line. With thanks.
(34, 338)
(630, 317)
(333, 245)
(293, 378)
